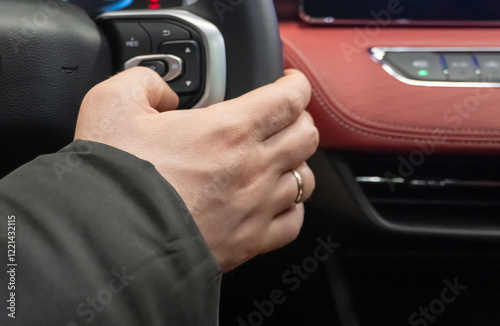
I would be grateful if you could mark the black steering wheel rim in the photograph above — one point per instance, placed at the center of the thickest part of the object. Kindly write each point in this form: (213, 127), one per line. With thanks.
(49, 61)
(253, 46)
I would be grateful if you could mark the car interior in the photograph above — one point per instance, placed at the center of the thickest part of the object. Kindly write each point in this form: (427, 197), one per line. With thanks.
(403, 227)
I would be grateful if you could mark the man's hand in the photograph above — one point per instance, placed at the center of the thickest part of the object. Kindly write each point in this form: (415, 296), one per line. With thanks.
(229, 162)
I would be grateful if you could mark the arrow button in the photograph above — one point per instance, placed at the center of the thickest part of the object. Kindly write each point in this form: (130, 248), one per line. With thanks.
(190, 82)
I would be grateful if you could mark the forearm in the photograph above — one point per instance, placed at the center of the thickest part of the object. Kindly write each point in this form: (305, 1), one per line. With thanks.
(102, 238)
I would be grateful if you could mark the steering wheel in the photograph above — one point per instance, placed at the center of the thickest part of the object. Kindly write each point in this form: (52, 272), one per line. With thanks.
(52, 52)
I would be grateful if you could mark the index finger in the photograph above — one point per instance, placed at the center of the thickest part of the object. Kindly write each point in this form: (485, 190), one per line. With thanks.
(272, 108)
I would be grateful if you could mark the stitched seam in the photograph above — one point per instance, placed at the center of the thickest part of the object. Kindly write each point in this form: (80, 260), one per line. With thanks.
(324, 106)
(363, 132)
(354, 116)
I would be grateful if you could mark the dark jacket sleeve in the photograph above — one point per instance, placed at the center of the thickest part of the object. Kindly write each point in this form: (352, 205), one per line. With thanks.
(101, 239)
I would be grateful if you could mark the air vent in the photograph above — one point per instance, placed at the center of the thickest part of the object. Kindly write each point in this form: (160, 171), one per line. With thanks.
(457, 192)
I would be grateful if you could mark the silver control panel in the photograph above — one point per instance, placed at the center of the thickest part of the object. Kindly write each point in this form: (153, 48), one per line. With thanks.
(445, 67)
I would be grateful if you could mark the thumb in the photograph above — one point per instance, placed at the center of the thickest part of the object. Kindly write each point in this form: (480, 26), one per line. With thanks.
(147, 86)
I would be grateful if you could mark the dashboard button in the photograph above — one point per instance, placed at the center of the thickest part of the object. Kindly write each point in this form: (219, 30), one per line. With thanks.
(162, 32)
(461, 68)
(416, 65)
(132, 40)
(489, 63)
(156, 65)
(190, 53)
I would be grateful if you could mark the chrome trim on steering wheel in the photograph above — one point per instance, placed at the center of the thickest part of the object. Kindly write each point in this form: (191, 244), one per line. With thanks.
(213, 41)
(172, 60)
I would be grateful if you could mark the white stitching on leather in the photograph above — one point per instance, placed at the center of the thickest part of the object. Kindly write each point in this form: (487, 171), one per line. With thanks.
(398, 127)
(360, 131)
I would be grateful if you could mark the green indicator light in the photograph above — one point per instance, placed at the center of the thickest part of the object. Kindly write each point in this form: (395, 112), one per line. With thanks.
(423, 72)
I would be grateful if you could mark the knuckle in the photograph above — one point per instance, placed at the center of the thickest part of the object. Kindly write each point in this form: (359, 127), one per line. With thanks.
(288, 108)
(247, 183)
(276, 121)
(230, 135)
(245, 168)
(288, 154)
(311, 132)
(294, 103)
(235, 137)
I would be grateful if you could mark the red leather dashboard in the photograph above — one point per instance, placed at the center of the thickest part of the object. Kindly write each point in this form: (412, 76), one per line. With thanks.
(358, 106)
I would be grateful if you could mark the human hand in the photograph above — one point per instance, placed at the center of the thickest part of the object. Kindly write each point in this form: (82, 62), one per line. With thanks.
(229, 162)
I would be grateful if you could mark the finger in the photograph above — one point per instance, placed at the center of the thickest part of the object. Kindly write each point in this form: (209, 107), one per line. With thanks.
(269, 109)
(284, 228)
(288, 188)
(146, 86)
(293, 145)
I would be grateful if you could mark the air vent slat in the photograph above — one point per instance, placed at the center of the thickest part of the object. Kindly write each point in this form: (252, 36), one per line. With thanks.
(440, 190)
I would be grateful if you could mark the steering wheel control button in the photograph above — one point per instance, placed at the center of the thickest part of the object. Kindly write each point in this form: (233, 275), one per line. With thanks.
(190, 53)
(132, 40)
(156, 65)
(417, 65)
(174, 66)
(192, 48)
(183, 101)
(461, 67)
(164, 32)
(489, 64)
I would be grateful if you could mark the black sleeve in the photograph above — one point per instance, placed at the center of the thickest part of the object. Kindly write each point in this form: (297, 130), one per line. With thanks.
(101, 238)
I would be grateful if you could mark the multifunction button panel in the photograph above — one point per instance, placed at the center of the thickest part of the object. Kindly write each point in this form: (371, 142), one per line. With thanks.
(464, 67)
(173, 47)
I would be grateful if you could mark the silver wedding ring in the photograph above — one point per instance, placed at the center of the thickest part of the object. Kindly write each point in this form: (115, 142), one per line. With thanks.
(300, 186)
